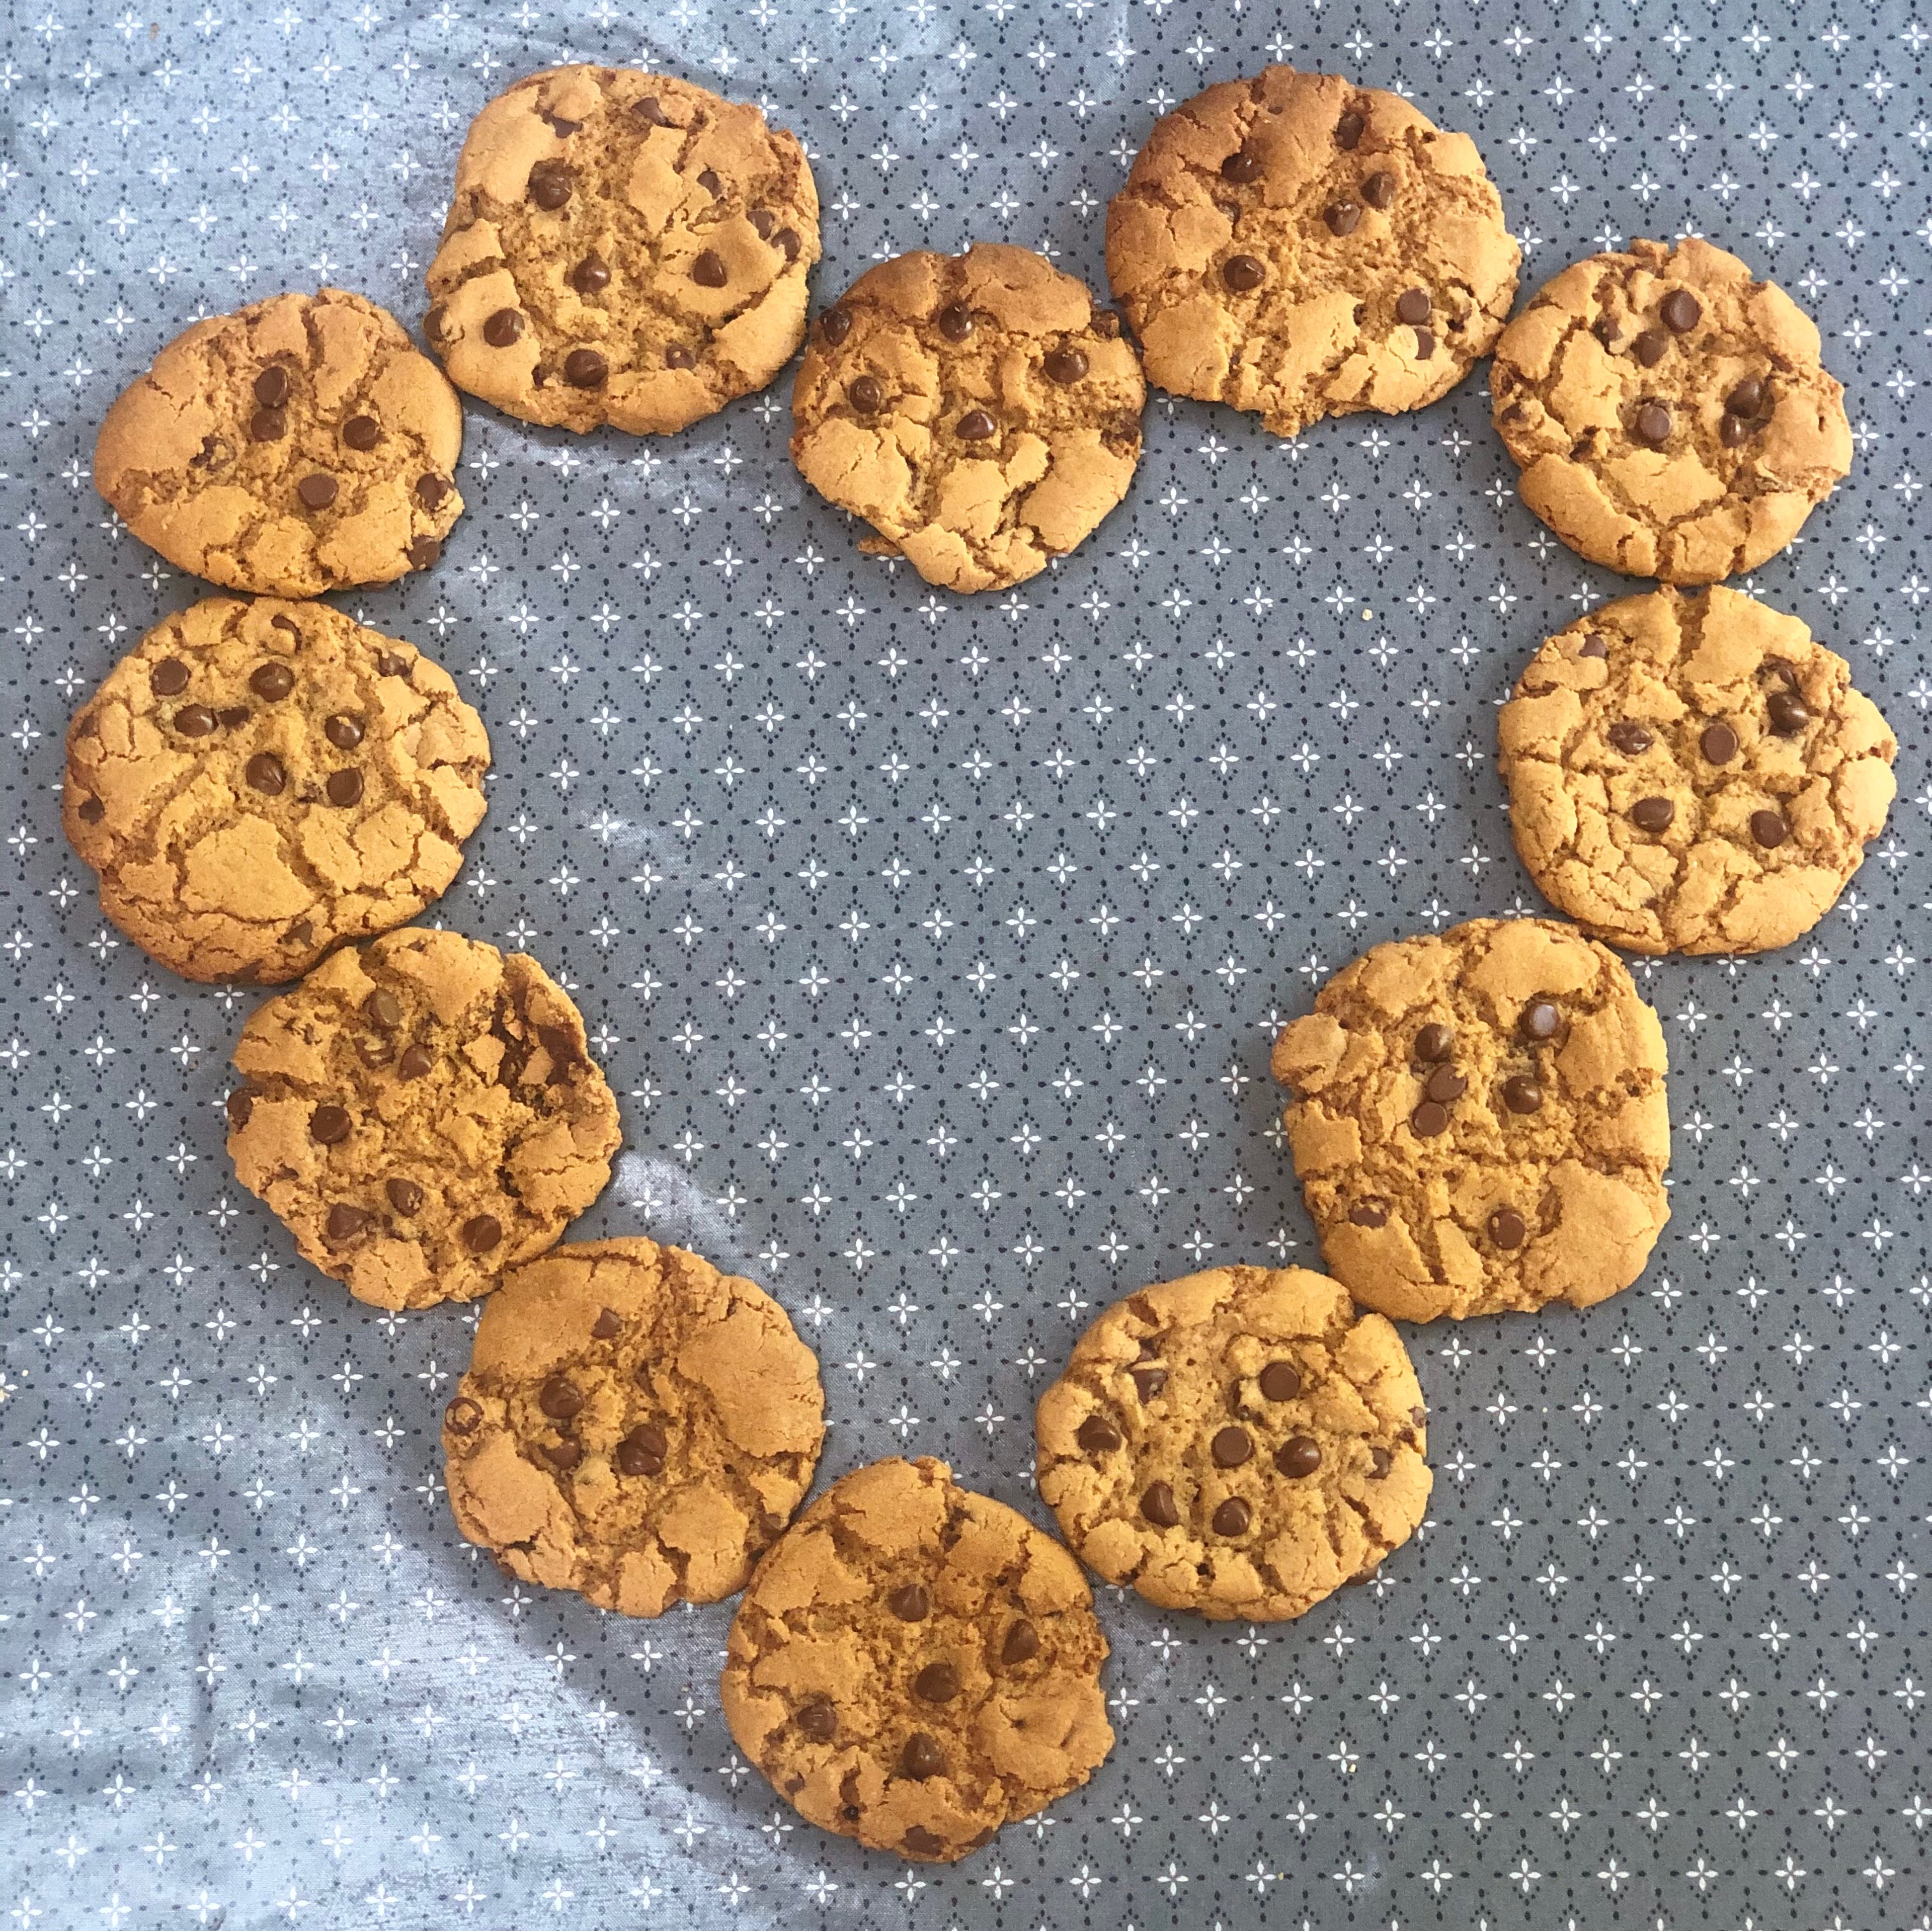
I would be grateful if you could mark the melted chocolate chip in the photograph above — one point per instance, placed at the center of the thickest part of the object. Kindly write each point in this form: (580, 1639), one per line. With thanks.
(422, 551)
(1629, 737)
(431, 490)
(1595, 645)
(240, 1104)
(1380, 1462)
(562, 1455)
(462, 1416)
(1368, 1215)
(909, 1602)
(1425, 344)
(383, 1008)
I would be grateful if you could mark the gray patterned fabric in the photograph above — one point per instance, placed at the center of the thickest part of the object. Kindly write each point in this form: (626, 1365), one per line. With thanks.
(935, 947)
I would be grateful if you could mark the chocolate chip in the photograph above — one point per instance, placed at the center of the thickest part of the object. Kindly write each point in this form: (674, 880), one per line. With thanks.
(1341, 217)
(1232, 1517)
(272, 680)
(329, 1125)
(561, 128)
(909, 1602)
(591, 275)
(390, 664)
(1521, 1094)
(975, 425)
(709, 270)
(1653, 815)
(642, 1452)
(1446, 1084)
(268, 425)
(867, 394)
(1299, 1455)
(921, 1757)
(1157, 1504)
(1378, 190)
(1243, 272)
(232, 717)
(195, 720)
(271, 386)
(1733, 431)
(240, 1104)
(1380, 1462)
(1022, 1643)
(1682, 311)
(1428, 1120)
(344, 1223)
(1651, 425)
(432, 323)
(677, 356)
(1348, 129)
(169, 678)
(343, 730)
(788, 238)
(559, 1398)
(1425, 344)
(344, 787)
(1649, 346)
(1412, 306)
(1065, 366)
(1279, 1381)
(361, 432)
(1231, 1447)
(646, 109)
(550, 183)
(562, 1455)
(423, 552)
(1367, 1215)
(405, 1196)
(415, 1061)
(1148, 1382)
(1769, 829)
(503, 327)
(1629, 737)
(383, 1008)
(835, 324)
(1788, 713)
(1718, 742)
(1595, 645)
(481, 1231)
(1434, 1042)
(1507, 1229)
(462, 1416)
(764, 221)
(818, 1722)
(431, 490)
(1748, 398)
(955, 322)
(937, 1683)
(1241, 167)
(708, 180)
(316, 491)
(265, 774)
(92, 810)
(1540, 1019)
(1605, 330)
(608, 1325)
(1098, 1435)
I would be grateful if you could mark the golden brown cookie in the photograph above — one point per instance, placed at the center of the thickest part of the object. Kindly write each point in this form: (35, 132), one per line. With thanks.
(915, 1665)
(1692, 772)
(300, 444)
(621, 248)
(1669, 414)
(256, 782)
(1479, 1121)
(635, 1425)
(421, 1112)
(1299, 246)
(1241, 1442)
(975, 409)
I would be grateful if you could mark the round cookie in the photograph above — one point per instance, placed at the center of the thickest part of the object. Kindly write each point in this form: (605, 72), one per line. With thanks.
(1479, 1122)
(915, 1665)
(635, 1425)
(1241, 1442)
(977, 410)
(1670, 415)
(256, 782)
(1299, 246)
(421, 1112)
(1692, 773)
(621, 248)
(300, 444)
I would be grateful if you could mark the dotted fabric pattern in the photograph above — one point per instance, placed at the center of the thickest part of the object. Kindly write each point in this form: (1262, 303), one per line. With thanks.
(934, 948)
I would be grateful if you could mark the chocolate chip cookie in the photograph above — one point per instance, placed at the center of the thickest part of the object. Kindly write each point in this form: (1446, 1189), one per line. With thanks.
(1479, 1121)
(976, 410)
(256, 782)
(1300, 246)
(915, 1665)
(1669, 413)
(1692, 773)
(421, 1112)
(300, 445)
(635, 1425)
(1242, 1442)
(621, 248)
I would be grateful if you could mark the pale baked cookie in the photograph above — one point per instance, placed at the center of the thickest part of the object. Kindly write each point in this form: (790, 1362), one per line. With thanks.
(914, 1665)
(300, 445)
(1669, 414)
(1692, 773)
(1300, 246)
(622, 248)
(256, 782)
(421, 1112)
(977, 410)
(1242, 1442)
(634, 1425)
(1479, 1122)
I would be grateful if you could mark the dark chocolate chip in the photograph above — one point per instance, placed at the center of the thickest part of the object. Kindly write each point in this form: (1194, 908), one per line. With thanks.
(975, 425)
(1231, 1447)
(591, 275)
(818, 1722)
(1425, 344)
(559, 1398)
(431, 490)
(1629, 737)
(268, 425)
(344, 1223)
(1649, 346)
(679, 356)
(423, 552)
(550, 183)
(271, 386)
(1651, 425)
(923, 1842)
(1157, 1504)
(1342, 217)
(1787, 711)
(195, 720)
(1241, 167)
(937, 1683)
(390, 664)
(1243, 272)
(1065, 366)
(361, 432)
(92, 810)
(1434, 1042)
(561, 128)
(1148, 1382)
(1595, 645)
(646, 109)
(383, 1008)
(1233, 1517)
(1446, 1084)
(1718, 742)
(642, 1452)
(240, 1104)
(1540, 1019)
(481, 1231)
(1378, 190)
(708, 180)
(344, 787)
(608, 1325)
(169, 678)
(1428, 1119)
(909, 1602)
(1734, 432)
(866, 394)
(562, 1455)
(789, 240)
(503, 327)
(1682, 311)
(921, 1757)
(416, 1060)
(1653, 815)
(265, 775)
(1507, 1229)
(1521, 1094)
(329, 1125)
(1298, 1456)
(316, 491)
(955, 322)
(1348, 129)
(709, 270)
(1022, 1643)
(1769, 829)
(433, 321)
(232, 717)
(343, 730)
(1368, 1215)
(835, 324)
(1279, 1381)
(585, 369)
(272, 680)
(1412, 306)
(1748, 398)
(405, 1196)
(1098, 1435)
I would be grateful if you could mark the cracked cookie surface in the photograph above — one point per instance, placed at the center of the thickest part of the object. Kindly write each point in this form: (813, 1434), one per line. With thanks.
(300, 445)
(1670, 415)
(1479, 1122)
(256, 782)
(976, 410)
(1692, 773)
(1241, 1442)
(421, 1112)
(914, 1665)
(634, 1425)
(1299, 247)
(621, 247)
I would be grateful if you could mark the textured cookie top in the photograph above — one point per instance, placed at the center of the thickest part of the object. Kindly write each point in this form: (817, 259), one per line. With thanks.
(975, 409)
(1479, 1122)
(623, 248)
(1240, 1442)
(1692, 773)
(299, 445)
(256, 782)
(421, 1112)
(1302, 248)
(634, 1425)
(914, 1665)
(1670, 413)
